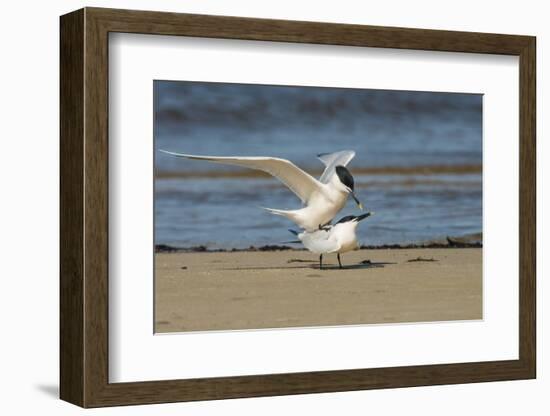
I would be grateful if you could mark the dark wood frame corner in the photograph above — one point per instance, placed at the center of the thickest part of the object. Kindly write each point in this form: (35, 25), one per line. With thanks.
(84, 207)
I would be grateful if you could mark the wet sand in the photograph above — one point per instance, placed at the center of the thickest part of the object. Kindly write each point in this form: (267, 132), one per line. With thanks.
(277, 289)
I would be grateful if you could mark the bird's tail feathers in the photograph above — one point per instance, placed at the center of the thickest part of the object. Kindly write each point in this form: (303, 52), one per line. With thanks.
(275, 211)
(282, 212)
(293, 241)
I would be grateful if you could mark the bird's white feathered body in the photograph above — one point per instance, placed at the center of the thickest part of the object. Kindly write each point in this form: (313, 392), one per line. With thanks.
(339, 238)
(321, 207)
(322, 198)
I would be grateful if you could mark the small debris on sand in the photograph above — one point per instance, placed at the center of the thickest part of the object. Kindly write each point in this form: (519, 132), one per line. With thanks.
(299, 261)
(421, 259)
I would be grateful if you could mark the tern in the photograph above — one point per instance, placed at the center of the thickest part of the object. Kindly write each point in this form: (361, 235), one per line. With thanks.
(338, 238)
(323, 198)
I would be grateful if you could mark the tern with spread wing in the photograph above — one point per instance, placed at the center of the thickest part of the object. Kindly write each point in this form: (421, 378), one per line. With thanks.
(338, 238)
(323, 198)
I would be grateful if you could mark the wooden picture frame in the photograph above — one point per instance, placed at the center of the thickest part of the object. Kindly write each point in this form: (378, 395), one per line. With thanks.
(84, 207)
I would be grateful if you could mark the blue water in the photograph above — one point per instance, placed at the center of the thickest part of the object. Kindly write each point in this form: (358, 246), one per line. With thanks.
(389, 130)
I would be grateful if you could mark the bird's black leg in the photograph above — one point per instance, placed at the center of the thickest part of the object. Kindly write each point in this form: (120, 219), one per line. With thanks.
(339, 262)
(321, 262)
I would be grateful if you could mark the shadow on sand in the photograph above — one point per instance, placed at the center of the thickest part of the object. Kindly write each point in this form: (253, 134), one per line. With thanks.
(358, 266)
(369, 265)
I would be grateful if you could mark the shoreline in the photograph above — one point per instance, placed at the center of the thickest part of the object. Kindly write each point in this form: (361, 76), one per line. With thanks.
(466, 241)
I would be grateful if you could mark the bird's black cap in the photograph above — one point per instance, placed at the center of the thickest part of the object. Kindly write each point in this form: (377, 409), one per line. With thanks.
(345, 177)
(347, 218)
(357, 218)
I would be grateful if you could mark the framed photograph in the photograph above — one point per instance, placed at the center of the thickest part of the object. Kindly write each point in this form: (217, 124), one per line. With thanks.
(255, 207)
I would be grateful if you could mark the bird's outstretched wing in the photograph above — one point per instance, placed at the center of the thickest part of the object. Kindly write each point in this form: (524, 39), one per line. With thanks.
(331, 160)
(298, 181)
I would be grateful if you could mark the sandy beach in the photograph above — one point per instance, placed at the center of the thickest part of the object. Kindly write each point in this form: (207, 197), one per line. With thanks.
(277, 289)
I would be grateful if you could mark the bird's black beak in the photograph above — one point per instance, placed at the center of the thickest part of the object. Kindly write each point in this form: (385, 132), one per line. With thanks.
(363, 216)
(359, 204)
